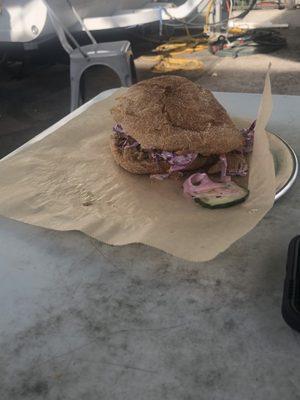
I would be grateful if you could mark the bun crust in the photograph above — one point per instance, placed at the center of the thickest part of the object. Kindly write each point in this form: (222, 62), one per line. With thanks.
(174, 114)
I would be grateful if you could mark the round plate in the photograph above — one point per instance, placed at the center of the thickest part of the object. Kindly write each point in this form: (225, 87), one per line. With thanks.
(285, 162)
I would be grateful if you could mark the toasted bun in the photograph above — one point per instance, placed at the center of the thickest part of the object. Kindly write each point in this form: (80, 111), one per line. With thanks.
(172, 113)
(145, 166)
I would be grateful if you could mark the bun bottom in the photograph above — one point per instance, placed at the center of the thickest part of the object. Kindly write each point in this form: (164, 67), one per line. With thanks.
(145, 167)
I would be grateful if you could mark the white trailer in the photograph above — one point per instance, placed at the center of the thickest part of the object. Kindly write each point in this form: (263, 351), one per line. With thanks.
(27, 21)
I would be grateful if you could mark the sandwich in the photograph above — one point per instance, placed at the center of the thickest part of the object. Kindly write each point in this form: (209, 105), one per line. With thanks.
(168, 125)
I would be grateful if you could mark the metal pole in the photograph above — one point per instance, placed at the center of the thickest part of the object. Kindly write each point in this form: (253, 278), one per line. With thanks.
(83, 26)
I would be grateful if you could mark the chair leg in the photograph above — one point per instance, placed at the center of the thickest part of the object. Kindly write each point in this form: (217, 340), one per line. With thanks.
(75, 92)
(74, 100)
(125, 80)
(77, 82)
(82, 89)
(124, 71)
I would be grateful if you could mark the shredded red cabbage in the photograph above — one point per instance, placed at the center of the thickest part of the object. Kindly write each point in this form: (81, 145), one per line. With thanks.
(224, 176)
(248, 134)
(125, 141)
(199, 183)
(242, 170)
(177, 162)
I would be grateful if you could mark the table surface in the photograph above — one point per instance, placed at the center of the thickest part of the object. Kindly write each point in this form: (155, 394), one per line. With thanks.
(83, 320)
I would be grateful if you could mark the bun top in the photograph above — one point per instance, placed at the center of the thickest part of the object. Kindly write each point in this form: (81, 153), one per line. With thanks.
(172, 113)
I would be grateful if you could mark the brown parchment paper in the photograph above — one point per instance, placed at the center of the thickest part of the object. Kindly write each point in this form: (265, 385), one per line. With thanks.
(69, 181)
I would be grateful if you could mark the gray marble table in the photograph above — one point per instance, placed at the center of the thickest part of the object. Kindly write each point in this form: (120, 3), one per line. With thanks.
(83, 320)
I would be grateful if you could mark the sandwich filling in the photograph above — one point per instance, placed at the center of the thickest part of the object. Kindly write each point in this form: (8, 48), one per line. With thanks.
(178, 161)
(230, 164)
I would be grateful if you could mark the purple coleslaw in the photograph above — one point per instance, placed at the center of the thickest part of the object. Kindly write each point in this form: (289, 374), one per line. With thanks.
(248, 134)
(242, 169)
(125, 141)
(179, 162)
